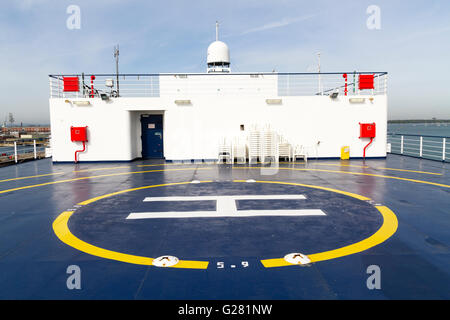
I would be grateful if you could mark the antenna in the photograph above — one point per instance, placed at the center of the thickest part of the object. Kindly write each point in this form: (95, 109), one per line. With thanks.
(116, 55)
(318, 69)
(318, 65)
(217, 30)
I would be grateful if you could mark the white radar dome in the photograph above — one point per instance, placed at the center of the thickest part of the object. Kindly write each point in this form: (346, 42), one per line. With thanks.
(218, 56)
(218, 52)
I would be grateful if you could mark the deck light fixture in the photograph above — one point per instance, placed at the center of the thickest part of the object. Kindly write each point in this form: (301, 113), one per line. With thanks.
(274, 101)
(357, 100)
(182, 102)
(109, 83)
(81, 103)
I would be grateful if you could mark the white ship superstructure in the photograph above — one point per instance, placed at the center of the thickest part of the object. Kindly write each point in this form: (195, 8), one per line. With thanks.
(194, 116)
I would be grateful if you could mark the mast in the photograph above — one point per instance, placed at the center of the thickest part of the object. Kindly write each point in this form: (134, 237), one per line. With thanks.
(217, 30)
(320, 80)
(116, 55)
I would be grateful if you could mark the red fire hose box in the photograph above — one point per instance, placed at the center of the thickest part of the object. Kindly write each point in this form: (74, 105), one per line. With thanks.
(78, 134)
(367, 130)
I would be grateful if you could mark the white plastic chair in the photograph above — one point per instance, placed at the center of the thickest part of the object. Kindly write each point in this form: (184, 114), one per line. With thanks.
(300, 151)
(225, 152)
(285, 150)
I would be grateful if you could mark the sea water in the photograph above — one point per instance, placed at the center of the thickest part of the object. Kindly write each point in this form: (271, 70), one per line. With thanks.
(421, 129)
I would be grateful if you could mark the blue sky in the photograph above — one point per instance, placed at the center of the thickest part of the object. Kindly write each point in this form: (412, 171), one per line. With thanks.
(412, 44)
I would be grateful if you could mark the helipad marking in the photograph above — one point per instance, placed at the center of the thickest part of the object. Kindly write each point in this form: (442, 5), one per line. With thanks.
(415, 171)
(226, 207)
(354, 173)
(62, 231)
(29, 177)
(100, 169)
(214, 214)
(338, 165)
(99, 176)
(354, 195)
(237, 197)
(193, 168)
(387, 229)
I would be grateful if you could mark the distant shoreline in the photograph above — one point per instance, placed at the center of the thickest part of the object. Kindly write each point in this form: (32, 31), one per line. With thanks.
(420, 121)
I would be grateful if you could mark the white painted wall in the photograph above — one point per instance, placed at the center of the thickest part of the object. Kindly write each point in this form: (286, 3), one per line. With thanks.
(219, 105)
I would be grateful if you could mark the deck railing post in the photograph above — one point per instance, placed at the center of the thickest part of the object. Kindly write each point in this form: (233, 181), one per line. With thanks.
(420, 146)
(443, 149)
(15, 151)
(401, 145)
(34, 147)
(59, 90)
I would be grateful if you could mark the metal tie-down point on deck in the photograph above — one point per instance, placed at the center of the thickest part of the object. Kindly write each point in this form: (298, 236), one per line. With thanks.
(165, 261)
(297, 258)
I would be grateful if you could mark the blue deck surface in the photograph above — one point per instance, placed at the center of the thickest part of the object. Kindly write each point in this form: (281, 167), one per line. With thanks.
(414, 262)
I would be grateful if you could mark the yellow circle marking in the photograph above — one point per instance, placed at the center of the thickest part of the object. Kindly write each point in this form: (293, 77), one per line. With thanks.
(93, 177)
(347, 172)
(388, 228)
(29, 177)
(415, 171)
(192, 168)
(61, 229)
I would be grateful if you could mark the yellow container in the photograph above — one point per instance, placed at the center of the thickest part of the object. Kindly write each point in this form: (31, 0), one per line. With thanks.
(345, 153)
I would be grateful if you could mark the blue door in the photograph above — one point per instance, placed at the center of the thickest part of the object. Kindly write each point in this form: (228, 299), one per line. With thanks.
(152, 136)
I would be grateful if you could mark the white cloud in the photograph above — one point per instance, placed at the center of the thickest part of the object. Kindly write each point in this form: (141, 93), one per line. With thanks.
(28, 4)
(277, 24)
(425, 33)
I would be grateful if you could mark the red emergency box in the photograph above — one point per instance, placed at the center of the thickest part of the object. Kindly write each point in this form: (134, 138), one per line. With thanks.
(367, 130)
(71, 84)
(78, 134)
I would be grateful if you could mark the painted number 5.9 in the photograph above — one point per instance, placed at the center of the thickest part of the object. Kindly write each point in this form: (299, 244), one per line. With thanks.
(221, 265)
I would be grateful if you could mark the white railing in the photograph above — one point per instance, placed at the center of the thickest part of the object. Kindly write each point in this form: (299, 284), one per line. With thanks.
(328, 83)
(18, 152)
(427, 147)
(272, 84)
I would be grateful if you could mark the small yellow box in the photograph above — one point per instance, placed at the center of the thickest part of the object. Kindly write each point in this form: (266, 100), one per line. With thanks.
(345, 153)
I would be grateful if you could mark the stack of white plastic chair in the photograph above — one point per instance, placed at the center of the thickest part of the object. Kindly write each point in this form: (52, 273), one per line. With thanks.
(240, 149)
(284, 148)
(253, 144)
(268, 145)
(225, 152)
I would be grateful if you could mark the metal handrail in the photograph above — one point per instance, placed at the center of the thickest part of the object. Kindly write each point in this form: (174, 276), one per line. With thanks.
(416, 135)
(18, 151)
(379, 73)
(281, 83)
(423, 148)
